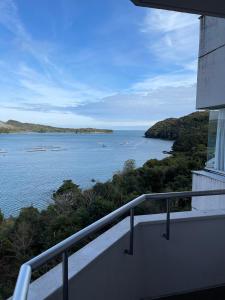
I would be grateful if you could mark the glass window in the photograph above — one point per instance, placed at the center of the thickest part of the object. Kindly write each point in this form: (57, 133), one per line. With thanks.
(216, 141)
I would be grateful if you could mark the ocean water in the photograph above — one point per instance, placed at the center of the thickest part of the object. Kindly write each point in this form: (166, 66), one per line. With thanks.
(33, 165)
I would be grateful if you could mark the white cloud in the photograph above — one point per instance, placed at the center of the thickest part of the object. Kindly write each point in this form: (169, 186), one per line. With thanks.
(167, 21)
(39, 117)
(9, 18)
(154, 104)
(170, 80)
(49, 84)
(62, 92)
(173, 36)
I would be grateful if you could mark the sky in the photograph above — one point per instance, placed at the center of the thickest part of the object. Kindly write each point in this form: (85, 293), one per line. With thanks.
(104, 64)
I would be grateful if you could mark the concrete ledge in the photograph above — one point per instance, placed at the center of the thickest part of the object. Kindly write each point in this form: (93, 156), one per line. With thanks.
(208, 174)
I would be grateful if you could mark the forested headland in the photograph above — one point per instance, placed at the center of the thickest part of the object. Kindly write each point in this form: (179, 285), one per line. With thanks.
(13, 126)
(33, 231)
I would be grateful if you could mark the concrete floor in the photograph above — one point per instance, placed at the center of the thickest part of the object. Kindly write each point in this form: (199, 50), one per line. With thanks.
(210, 294)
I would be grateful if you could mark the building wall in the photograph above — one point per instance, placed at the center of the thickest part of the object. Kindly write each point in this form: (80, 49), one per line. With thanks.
(203, 180)
(211, 70)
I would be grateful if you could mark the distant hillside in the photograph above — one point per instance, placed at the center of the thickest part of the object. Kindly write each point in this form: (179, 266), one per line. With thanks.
(187, 131)
(13, 126)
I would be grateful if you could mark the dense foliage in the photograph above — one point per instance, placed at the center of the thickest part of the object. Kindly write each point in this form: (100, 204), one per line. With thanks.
(187, 132)
(34, 231)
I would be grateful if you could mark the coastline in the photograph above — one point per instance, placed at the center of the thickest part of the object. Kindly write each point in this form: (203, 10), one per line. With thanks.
(99, 131)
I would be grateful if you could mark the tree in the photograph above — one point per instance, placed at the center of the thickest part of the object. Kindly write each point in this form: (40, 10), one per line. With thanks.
(129, 166)
(68, 196)
(1, 217)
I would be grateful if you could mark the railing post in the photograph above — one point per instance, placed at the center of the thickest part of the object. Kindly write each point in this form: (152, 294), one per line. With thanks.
(65, 275)
(131, 249)
(167, 234)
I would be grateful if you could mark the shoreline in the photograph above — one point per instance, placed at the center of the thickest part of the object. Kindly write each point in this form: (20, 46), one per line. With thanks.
(57, 132)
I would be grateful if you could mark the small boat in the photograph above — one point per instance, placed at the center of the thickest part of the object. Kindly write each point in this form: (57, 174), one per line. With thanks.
(57, 149)
(3, 151)
(37, 149)
(167, 152)
(124, 143)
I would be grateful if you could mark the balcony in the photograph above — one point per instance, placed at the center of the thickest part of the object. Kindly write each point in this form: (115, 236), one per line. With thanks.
(215, 8)
(141, 257)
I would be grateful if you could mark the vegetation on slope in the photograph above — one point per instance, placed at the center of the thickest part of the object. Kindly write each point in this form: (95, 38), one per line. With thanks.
(12, 126)
(187, 132)
(72, 209)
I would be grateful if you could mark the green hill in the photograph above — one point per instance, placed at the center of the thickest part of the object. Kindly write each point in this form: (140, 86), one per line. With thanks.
(13, 126)
(187, 131)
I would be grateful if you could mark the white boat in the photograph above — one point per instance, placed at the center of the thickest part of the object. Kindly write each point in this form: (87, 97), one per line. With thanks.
(38, 149)
(3, 151)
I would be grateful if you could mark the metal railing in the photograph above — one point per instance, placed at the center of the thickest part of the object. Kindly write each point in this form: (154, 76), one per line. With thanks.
(24, 277)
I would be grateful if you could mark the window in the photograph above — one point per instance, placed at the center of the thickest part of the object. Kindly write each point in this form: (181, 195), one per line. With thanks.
(216, 141)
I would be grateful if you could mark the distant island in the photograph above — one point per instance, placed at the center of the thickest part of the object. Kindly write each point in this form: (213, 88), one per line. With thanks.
(13, 126)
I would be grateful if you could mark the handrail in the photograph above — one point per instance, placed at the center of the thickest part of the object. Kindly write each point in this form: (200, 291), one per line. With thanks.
(23, 281)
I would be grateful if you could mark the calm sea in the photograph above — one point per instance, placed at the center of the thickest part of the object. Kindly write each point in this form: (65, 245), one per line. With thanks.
(32, 166)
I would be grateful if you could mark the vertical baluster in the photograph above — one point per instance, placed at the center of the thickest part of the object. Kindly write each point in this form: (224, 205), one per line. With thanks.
(131, 249)
(65, 275)
(167, 234)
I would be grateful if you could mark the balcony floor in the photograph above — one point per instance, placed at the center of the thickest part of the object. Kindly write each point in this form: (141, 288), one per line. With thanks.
(210, 294)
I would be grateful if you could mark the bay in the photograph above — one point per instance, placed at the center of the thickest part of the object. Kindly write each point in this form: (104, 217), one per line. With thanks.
(34, 165)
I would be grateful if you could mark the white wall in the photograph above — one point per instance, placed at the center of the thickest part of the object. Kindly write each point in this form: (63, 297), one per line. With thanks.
(211, 69)
(209, 41)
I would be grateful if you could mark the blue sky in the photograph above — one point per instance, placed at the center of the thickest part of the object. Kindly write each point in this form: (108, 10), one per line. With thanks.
(95, 63)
